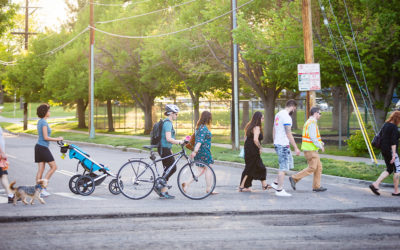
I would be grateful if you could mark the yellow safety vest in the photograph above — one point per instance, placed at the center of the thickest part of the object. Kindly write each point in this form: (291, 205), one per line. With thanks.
(306, 142)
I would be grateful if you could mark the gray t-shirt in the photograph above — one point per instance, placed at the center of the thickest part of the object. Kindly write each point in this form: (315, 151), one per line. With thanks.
(41, 141)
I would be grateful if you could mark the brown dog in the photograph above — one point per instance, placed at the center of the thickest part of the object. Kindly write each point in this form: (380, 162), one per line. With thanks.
(28, 191)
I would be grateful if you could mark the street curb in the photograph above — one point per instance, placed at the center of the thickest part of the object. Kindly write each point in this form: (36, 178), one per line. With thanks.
(338, 179)
(12, 219)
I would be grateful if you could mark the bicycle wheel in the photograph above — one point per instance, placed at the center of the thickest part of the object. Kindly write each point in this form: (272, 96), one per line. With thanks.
(137, 178)
(196, 181)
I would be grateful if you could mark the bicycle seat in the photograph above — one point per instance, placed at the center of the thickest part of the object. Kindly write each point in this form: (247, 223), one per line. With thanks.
(150, 147)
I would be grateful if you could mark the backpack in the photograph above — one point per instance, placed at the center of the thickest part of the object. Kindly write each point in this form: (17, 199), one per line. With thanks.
(155, 134)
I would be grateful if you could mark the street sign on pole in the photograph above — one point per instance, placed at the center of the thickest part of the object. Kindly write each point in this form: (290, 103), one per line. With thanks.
(309, 76)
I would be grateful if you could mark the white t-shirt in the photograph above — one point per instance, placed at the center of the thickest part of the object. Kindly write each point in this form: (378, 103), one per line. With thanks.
(282, 119)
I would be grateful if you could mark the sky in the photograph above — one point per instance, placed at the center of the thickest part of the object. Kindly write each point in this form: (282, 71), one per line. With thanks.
(51, 15)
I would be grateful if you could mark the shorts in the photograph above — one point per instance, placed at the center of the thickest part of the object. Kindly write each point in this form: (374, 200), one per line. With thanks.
(3, 172)
(43, 154)
(285, 157)
(391, 167)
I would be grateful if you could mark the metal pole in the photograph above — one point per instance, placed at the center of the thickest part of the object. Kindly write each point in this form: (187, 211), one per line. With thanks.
(235, 80)
(308, 48)
(340, 123)
(91, 73)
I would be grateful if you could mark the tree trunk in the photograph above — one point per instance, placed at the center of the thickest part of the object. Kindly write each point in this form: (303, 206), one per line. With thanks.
(110, 117)
(293, 95)
(245, 114)
(25, 115)
(339, 94)
(383, 97)
(196, 108)
(81, 113)
(1, 94)
(148, 115)
(269, 116)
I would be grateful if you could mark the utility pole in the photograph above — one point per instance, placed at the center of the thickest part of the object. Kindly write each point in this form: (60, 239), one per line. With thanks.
(26, 35)
(308, 47)
(235, 84)
(91, 72)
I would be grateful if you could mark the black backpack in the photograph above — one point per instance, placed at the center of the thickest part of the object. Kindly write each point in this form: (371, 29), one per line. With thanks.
(155, 134)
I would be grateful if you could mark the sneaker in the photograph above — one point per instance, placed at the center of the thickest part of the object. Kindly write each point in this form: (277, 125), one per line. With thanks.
(10, 199)
(320, 189)
(44, 193)
(165, 195)
(274, 185)
(292, 183)
(282, 193)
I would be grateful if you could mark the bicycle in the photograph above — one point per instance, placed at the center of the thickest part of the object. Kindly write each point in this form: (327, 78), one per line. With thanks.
(137, 179)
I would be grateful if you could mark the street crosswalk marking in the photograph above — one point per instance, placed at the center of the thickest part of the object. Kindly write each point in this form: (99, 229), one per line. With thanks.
(3, 200)
(65, 172)
(80, 197)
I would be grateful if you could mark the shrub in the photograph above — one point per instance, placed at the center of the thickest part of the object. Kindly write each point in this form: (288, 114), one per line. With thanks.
(356, 142)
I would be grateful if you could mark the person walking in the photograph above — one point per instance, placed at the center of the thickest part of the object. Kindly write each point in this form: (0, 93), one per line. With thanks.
(389, 148)
(167, 139)
(42, 152)
(202, 149)
(254, 167)
(282, 136)
(4, 166)
(311, 143)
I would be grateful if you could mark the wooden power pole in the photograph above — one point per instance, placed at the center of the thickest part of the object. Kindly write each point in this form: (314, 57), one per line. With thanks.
(91, 72)
(26, 36)
(308, 47)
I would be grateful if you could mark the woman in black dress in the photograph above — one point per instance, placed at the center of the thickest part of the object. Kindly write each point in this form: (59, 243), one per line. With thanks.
(254, 168)
(389, 146)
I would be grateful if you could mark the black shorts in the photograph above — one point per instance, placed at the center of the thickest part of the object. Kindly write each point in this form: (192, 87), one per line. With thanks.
(43, 154)
(167, 162)
(3, 172)
(391, 167)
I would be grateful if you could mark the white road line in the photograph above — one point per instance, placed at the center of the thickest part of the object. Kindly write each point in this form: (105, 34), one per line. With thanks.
(11, 156)
(80, 197)
(3, 200)
(65, 172)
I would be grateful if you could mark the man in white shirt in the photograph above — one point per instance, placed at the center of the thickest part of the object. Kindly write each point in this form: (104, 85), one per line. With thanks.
(282, 135)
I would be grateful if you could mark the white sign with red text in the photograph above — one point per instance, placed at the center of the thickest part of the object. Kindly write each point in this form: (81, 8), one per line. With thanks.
(309, 76)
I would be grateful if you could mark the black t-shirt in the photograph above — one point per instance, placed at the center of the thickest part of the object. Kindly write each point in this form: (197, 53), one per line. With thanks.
(390, 136)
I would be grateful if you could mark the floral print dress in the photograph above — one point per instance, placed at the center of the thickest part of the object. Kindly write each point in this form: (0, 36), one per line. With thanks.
(203, 135)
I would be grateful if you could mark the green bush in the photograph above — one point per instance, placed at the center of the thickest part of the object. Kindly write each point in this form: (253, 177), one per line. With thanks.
(357, 144)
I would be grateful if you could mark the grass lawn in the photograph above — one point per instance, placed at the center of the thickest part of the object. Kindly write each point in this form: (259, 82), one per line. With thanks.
(331, 167)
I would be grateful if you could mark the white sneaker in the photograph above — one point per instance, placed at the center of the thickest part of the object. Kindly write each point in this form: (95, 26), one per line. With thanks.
(282, 193)
(274, 185)
(44, 193)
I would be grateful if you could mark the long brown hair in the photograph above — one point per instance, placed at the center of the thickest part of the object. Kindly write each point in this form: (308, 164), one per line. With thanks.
(394, 118)
(255, 121)
(205, 119)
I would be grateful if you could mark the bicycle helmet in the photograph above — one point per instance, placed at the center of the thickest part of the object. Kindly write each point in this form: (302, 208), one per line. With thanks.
(171, 108)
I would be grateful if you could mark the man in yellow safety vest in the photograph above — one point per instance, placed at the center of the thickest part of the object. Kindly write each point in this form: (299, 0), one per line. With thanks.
(311, 143)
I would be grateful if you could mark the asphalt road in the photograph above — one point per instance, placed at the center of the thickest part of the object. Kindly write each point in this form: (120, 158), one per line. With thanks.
(347, 216)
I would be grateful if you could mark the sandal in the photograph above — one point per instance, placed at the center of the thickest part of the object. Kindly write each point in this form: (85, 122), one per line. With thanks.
(393, 194)
(266, 187)
(374, 189)
(243, 189)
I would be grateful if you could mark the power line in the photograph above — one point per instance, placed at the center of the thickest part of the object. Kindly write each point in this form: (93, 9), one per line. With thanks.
(145, 14)
(119, 4)
(174, 32)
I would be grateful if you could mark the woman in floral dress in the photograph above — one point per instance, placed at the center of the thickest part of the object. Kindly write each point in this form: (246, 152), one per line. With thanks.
(202, 148)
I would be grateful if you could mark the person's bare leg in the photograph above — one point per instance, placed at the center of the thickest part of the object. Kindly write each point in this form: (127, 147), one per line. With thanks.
(383, 175)
(396, 177)
(281, 178)
(52, 170)
(5, 183)
(40, 171)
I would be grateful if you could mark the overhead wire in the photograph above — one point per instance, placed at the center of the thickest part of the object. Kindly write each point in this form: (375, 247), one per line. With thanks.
(119, 4)
(170, 33)
(145, 14)
(361, 66)
(350, 61)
